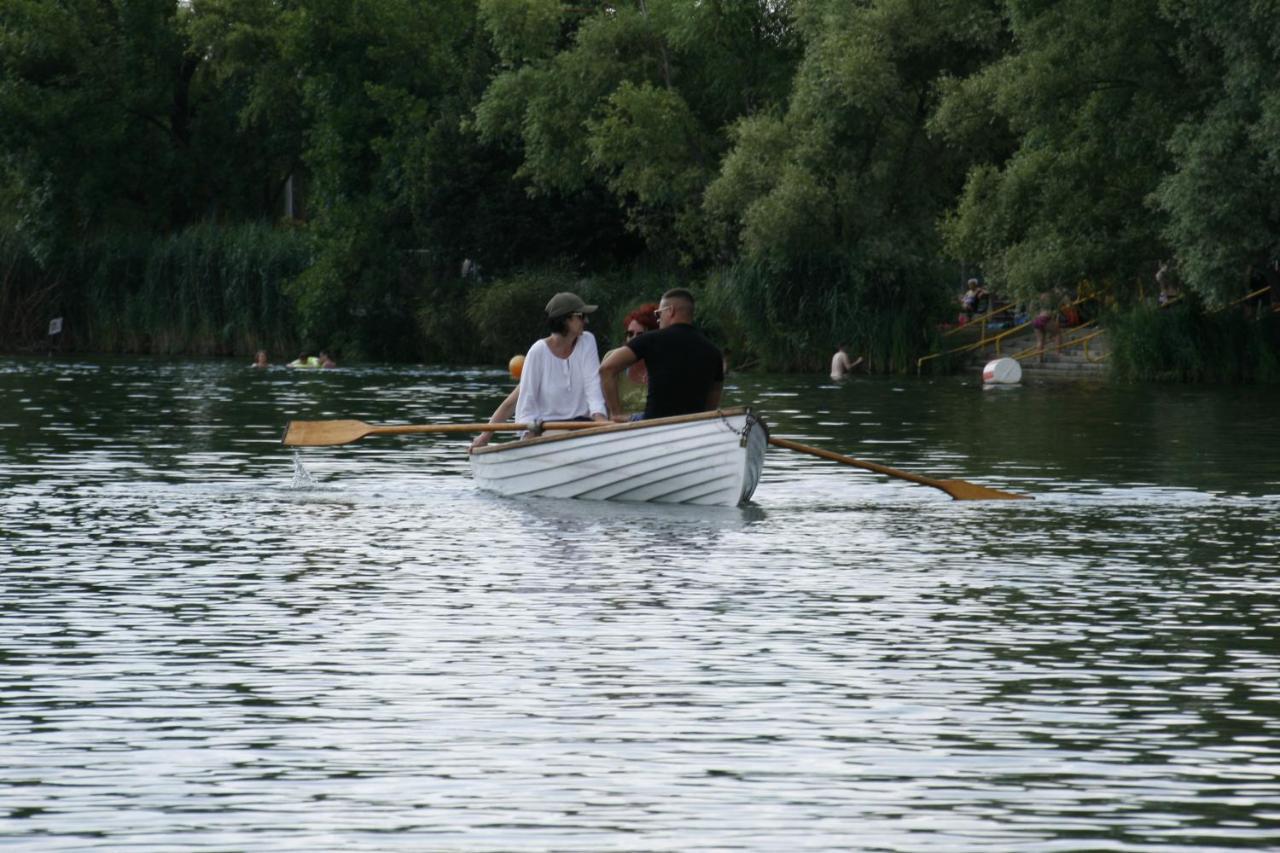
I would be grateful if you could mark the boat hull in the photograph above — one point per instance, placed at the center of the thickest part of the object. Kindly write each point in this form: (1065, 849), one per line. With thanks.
(709, 459)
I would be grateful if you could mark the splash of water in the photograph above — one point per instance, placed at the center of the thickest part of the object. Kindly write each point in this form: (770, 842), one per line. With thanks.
(302, 478)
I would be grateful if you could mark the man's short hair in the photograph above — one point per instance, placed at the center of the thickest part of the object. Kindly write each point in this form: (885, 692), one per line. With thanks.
(679, 293)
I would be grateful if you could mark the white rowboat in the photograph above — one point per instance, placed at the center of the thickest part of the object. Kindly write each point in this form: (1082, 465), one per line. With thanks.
(707, 459)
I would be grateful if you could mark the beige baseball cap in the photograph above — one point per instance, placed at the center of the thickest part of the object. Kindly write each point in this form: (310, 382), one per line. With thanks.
(568, 303)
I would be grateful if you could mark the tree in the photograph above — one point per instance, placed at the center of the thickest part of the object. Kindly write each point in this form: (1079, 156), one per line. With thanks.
(374, 78)
(95, 117)
(1089, 92)
(1222, 192)
(246, 76)
(836, 198)
(632, 98)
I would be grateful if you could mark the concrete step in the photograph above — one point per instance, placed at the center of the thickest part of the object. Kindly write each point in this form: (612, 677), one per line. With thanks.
(1071, 359)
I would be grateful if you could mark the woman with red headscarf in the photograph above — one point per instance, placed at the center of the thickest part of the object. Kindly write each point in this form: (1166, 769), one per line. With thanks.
(633, 385)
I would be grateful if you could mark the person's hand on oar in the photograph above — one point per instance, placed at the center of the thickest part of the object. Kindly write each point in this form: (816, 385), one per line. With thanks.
(500, 414)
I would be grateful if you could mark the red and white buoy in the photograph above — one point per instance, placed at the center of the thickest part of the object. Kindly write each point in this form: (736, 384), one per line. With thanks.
(1002, 371)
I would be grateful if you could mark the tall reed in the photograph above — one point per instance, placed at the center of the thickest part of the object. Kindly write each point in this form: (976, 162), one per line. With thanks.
(1184, 343)
(207, 290)
(27, 296)
(792, 319)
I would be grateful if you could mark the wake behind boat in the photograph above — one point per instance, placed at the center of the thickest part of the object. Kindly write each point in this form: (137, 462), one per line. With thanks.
(706, 459)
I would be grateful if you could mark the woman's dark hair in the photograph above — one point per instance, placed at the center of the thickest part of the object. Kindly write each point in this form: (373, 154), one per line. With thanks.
(559, 325)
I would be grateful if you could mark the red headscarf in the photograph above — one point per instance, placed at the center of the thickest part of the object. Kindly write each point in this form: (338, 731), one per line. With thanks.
(644, 315)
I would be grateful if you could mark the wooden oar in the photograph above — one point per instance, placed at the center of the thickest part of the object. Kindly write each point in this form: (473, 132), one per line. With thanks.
(958, 489)
(329, 433)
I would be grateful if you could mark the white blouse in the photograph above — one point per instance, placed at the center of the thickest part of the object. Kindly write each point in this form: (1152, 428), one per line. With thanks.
(560, 389)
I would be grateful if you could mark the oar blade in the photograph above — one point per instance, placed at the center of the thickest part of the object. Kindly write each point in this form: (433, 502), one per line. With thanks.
(323, 433)
(962, 490)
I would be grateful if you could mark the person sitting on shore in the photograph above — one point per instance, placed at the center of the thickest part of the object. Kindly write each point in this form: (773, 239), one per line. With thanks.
(1068, 313)
(969, 301)
(686, 371)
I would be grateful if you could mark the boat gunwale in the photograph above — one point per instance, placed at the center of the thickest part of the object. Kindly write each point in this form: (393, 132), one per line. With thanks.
(604, 429)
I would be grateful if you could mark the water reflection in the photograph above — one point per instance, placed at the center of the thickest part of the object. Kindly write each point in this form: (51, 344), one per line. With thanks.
(206, 647)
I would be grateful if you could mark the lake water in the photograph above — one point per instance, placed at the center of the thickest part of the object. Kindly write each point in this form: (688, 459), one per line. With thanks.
(208, 641)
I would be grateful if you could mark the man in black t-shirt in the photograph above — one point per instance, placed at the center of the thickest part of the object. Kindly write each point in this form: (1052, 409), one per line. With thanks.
(686, 371)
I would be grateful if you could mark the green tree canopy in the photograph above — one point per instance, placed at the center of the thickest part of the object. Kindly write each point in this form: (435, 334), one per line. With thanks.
(1222, 194)
(632, 98)
(1088, 93)
(95, 118)
(837, 195)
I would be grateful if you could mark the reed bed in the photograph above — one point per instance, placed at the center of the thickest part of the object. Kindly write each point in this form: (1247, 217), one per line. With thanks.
(1186, 343)
(207, 290)
(781, 321)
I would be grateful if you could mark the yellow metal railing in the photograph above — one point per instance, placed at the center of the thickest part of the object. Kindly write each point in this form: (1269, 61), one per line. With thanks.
(970, 347)
(1082, 341)
(1067, 344)
(997, 341)
(1248, 296)
(1251, 295)
(979, 321)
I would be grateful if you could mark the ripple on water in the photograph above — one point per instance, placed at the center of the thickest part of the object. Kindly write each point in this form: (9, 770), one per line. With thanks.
(209, 644)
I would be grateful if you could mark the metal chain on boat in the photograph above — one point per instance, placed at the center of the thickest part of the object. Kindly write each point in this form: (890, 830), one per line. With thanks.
(745, 433)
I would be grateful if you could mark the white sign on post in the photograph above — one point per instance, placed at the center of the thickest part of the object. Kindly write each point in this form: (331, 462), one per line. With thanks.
(55, 326)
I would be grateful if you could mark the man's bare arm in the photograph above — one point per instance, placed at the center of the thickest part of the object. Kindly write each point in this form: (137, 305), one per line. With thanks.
(614, 363)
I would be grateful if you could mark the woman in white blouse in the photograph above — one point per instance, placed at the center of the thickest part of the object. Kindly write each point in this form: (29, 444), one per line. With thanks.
(560, 379)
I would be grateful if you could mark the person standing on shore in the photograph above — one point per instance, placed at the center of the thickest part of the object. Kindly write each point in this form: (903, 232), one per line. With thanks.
(1046, 321)
(686, 371)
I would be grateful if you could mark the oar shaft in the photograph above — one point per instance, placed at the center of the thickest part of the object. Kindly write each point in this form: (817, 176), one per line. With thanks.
(849, 460)
(332, 433)
(958, 489)
(411, 429)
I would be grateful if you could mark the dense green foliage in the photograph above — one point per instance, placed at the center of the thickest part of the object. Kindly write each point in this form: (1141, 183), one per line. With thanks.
(206, 290)
(216, 175)
(1184, 343)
